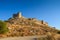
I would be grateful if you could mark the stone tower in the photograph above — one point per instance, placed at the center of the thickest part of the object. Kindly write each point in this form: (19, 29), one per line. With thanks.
(18, 15)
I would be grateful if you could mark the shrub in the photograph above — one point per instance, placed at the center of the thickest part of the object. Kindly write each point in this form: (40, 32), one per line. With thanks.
(3, 27)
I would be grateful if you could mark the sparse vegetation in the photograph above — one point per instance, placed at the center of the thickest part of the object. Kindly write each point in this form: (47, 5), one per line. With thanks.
(3, 27)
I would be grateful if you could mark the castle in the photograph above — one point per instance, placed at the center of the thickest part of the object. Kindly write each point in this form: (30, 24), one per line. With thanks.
(19, 15)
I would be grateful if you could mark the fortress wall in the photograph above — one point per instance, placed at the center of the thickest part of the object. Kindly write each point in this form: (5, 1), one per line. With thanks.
(43, 22)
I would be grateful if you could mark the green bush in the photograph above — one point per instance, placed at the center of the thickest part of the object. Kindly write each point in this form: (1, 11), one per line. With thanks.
(3, 27)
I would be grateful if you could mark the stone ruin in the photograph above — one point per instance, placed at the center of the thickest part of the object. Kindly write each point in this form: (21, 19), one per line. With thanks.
(43, 22)
(38, 21)
(18, 15)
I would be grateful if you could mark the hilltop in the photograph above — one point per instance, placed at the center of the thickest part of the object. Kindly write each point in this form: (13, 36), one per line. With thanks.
(19, 25)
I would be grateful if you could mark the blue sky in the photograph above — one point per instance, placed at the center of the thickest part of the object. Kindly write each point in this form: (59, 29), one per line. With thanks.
(47, 10)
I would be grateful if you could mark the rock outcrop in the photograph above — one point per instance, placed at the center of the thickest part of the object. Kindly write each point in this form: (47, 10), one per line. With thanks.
(21, 26)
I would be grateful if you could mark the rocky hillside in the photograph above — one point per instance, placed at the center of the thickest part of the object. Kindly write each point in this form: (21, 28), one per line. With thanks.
(21, 26)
